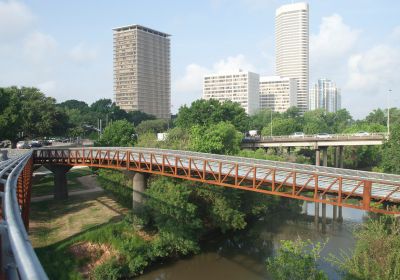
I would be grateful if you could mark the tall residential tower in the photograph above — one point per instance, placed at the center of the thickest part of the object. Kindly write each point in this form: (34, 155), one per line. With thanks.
(325, 95)
(292, 47)
(142, 70)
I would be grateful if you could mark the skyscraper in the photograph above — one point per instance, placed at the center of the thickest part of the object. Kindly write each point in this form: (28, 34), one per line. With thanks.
(292, 47)
(241, 87)
(142, 70)
(325, 95)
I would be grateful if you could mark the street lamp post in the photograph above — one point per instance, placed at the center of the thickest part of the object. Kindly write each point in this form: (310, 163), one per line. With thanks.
(271, 123)
(388, 113)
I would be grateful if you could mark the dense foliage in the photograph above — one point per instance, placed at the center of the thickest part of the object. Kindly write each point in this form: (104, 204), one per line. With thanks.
(118, 134)
(376, 254)
(296, 260)
(26, 112)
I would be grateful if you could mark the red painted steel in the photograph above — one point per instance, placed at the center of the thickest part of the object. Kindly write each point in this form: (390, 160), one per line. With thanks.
(159, 163)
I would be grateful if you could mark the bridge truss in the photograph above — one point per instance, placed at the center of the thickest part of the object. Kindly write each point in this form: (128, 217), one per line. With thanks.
(368, 191)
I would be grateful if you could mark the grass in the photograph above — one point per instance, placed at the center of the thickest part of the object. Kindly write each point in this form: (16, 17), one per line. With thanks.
(60, 263)
(53, 221)
(45, 185)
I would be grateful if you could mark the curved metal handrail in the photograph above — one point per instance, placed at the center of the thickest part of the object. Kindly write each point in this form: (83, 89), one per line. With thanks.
(25, 263)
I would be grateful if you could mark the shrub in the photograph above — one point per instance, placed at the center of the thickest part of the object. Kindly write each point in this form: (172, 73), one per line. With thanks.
(296, 260)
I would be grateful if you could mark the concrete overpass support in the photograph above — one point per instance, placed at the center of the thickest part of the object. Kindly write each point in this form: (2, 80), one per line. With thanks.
(325, 156)
(60, 180)
(317, 157)
(139, 185)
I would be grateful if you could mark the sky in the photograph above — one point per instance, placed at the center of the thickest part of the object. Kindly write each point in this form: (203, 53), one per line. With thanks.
(65, 47)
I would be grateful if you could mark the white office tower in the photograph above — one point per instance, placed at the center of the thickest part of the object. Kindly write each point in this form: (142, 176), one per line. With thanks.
(277, 93)
(325, 95)
(292, 47)
(241, 87)
(142, 70)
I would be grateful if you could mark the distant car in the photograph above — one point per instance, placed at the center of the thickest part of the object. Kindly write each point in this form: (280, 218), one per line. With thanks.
(35, 144)
(323, 135)
(362, 133)
(23, 145)
(297, 134)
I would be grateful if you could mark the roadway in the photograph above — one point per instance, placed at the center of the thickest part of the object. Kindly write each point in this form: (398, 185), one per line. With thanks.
(314, 141)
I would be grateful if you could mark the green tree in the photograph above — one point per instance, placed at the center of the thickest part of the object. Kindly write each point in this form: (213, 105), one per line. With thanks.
(281, 127)
(207, 112)
(296, 261)
(220, 138)
(28, 112)
(376, 116)
(341, 120)
(391, 151)
(136, 117)
(376, 254)
(175, 217)
(74, 104)
(152, 126)
(261, 119)
(118, 134)
(315, 122)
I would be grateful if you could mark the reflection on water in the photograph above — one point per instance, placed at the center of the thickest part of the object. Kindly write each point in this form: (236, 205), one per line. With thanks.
(243, 255)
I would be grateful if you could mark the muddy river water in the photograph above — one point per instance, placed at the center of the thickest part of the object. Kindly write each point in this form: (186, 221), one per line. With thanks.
(243, 255)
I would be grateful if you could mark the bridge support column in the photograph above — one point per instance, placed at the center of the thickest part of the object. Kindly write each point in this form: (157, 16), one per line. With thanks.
(340, 215)
(316, 215)
(139, 185)
(317, 157)
(60, 180)
(325, 156)
(323, 215)
(341, 156)
(334, 215)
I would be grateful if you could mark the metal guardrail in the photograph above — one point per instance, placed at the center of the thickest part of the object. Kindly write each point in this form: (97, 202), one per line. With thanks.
(19, 259)
(316, 137)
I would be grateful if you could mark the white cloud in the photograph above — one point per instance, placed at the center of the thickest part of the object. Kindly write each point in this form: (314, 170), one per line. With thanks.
(82, 53)
(189, 87)
(330, 49)
(48, 87)
(373, 69)
(39, 46)
(15, 19)
(232, 63)
(335, 38)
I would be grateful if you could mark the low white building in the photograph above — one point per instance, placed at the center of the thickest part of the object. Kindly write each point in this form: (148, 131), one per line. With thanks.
(277, 93)
(241, 87)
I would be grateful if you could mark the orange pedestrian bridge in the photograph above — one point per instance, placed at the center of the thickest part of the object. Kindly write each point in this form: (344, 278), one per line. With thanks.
(369, 191)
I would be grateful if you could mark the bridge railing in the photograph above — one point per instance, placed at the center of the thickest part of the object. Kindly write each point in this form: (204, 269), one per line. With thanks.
(375, 190)
(314, 137)
(18, 260)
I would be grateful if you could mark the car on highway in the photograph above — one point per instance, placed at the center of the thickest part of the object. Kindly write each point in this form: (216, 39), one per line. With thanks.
(362, 133)
(23, 145)
(297, 134)
(323, 135)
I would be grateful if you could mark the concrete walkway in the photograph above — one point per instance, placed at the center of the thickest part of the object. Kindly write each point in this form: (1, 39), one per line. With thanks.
(87, 181)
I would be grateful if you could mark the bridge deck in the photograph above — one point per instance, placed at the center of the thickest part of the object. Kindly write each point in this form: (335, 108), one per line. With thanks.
(343, 187)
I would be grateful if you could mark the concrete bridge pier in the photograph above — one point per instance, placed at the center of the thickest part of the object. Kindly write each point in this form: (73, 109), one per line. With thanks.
(323, 215)
(60, 180)
(316, 215)
(139, 185)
